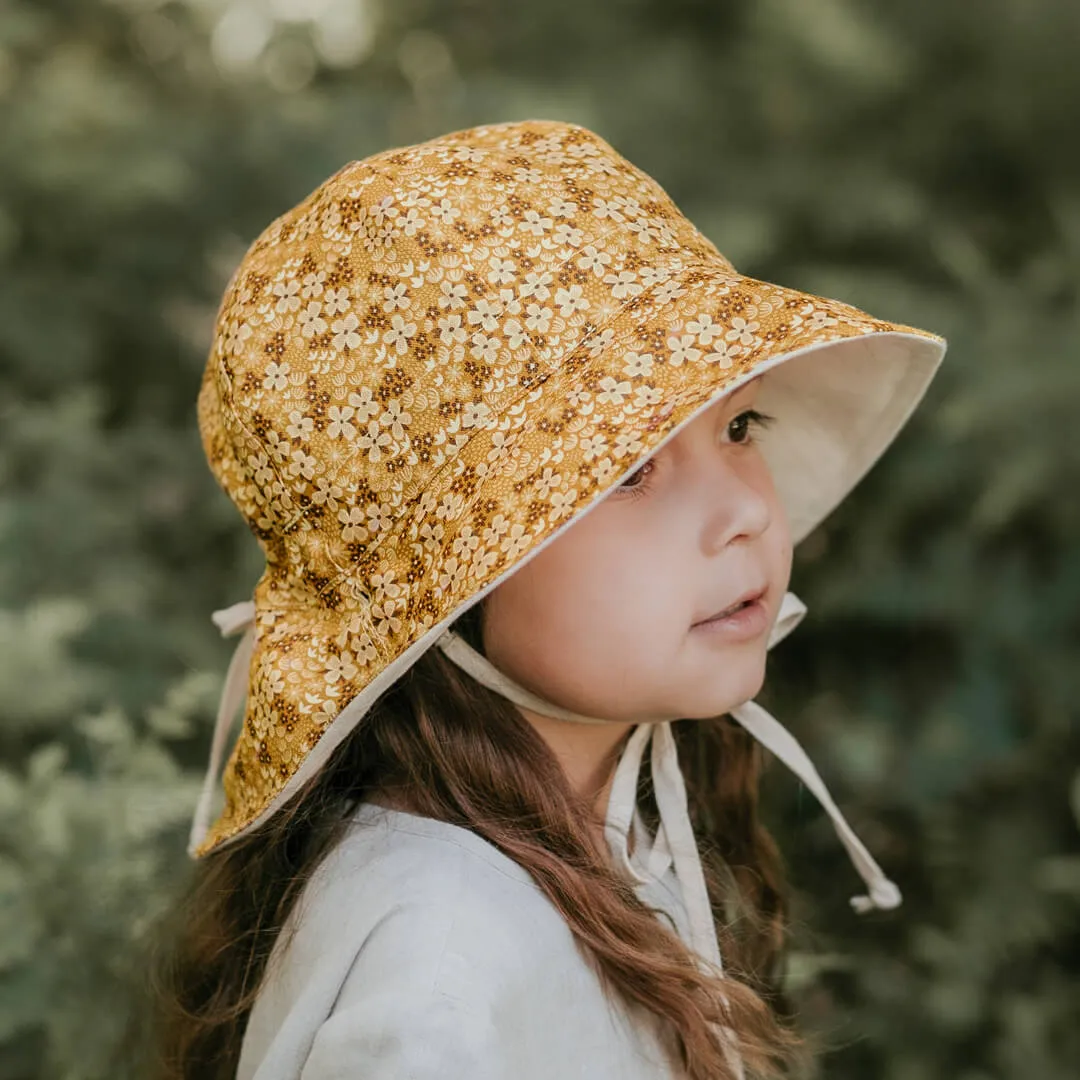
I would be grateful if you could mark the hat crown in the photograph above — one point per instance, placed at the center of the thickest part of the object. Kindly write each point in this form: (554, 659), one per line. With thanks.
(408, 301)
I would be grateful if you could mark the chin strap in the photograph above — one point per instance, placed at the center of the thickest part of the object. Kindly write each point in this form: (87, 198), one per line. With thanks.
(675, 839)
(675, 836)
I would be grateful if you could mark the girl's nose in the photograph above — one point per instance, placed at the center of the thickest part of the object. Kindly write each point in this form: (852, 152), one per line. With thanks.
(739, 508)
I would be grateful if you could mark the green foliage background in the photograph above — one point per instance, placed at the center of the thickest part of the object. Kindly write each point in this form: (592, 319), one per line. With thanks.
(916, 158)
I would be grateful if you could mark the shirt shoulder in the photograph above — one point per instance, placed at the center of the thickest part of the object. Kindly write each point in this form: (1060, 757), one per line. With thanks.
(421, 950)
(423, 905)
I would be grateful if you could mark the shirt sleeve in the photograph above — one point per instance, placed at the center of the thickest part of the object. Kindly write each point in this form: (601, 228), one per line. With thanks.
(400, 1016)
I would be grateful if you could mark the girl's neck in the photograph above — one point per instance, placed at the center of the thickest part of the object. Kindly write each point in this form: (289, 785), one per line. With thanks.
(588, 754)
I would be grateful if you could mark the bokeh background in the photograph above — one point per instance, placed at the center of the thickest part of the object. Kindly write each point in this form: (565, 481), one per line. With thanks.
(919, 158)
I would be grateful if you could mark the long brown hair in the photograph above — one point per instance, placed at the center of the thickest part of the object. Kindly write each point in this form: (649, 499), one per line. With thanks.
(457, 752)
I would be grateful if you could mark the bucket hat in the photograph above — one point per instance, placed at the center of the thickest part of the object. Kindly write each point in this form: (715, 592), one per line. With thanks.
(433, 366)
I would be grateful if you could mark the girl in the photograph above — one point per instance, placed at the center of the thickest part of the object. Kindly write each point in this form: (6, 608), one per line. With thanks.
(495, 394)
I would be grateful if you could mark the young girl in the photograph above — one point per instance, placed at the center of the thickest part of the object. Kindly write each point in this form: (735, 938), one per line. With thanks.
(527, 457)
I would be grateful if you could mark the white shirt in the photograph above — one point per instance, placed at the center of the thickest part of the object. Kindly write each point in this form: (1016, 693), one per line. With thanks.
(422, 952)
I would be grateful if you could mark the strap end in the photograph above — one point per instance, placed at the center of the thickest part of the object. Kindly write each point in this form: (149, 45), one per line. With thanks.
(884, 895)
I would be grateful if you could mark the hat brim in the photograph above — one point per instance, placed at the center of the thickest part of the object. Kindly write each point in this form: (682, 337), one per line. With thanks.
(841, 385)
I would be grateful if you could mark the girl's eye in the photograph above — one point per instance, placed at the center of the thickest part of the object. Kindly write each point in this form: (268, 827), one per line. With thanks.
(635, 483)
(740, 427)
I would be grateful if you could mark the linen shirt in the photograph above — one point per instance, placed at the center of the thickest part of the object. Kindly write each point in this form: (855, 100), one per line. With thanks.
(421, 952)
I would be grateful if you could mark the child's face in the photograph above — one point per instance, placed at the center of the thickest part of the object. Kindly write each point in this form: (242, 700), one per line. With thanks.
(602, 621)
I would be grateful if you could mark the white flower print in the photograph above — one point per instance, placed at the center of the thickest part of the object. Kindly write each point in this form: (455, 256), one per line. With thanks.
(623, 284)
(399, 333)
(626, 442)
(311, 322)
(562, 503)
(313, 285)
(515, 334)
(450, 506)
(741, 331)
(485, 348)
(510, 303)
(345, 335)
(452, 296)
(476, 412)
(536, 284)
(570, 300)
(452, 574)
(559, 207)
(644, 396)
(288, 294)
(602, 342)
(341, 667)
(607, 208)
(502, 271)
(816, 318)
(340, 425)
(277, 376)
(682, 350)
(613, 391)
(445, 212)
(299, 427)
(724, 354)
(261, 469)
(568, 235)
(354, 529)
(486, 314)
(517, 542)
(337, 301)
(411, 222)
(235, 336)
(645, 229)
(534, 223)
(383, 210)
(592, 446)
(451, 330)
(380, 519)
(525, 175)
(547, 482)
(538, 318)
(396, 419)
(604, 470)
(374, 440)
(705, 329)
(363, 401)
(397, 296)
(499, 527)
(637, 364)
(326, 493)
(653, 275)
(303, 464)
(386, 622)
(466, 541)
(594, 260)
(668, 292)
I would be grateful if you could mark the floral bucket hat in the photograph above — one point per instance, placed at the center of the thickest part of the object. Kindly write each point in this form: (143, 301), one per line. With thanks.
(435, 364)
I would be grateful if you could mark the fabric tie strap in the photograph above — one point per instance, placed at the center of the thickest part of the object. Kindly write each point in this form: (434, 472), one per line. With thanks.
(674, 842)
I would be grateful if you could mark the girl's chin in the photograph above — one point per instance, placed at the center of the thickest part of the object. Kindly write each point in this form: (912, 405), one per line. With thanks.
(723, 699)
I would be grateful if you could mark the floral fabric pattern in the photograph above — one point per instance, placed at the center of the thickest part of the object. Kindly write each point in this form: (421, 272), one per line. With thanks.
(430, 365)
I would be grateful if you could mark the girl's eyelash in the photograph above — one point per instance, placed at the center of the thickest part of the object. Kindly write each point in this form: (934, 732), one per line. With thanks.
(752, 416)
(762, 420)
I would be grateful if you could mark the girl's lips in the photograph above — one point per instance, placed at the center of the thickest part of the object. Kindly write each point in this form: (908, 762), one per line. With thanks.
(744, 623)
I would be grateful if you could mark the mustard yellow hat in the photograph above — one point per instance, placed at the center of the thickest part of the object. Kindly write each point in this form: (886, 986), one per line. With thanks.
(443, 357)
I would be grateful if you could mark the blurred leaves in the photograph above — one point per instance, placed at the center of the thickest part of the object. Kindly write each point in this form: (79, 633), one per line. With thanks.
(918, 159)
